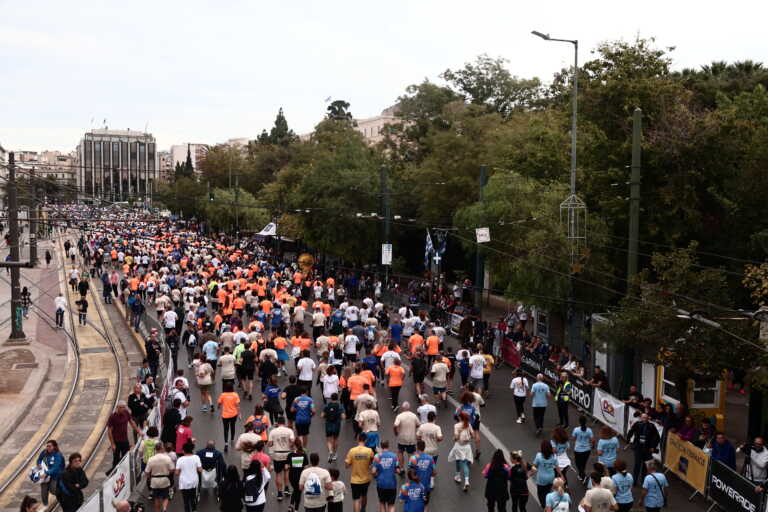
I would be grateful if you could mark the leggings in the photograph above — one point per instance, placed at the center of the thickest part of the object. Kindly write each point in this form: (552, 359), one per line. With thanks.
(538, 416)
(625, 507)
(542, 491)
(462, 468)
(518, 503)
(395, 391)
(496, 504)
(190, 499)
(295, 493)
(520, 406)
(229, 424)
(581, 462)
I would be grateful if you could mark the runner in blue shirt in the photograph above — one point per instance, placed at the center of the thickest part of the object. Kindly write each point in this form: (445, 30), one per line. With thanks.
(607, 447)
(413, 494)
(583, 442)
(540, 393)
(623, 481)
(653, 488)
(424, 466)
(385, 467)
(304, 408)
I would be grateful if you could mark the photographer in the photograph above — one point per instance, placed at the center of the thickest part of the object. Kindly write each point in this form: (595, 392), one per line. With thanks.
(755, 462)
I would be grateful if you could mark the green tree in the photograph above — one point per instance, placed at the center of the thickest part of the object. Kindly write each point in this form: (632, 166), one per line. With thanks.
(660, 320)
(280, 134)
(339, 111)
(229, 206)
(183, 197)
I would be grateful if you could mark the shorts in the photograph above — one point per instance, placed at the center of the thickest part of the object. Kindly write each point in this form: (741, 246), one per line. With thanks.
(282, 355)
(372, 440)
(332, 429)
(359, 490)
(279, 465)
(438, 389)
(239, 371)
(160, 493)
(386, 496)
(418, 378)
(476, 425)
(407, 448)
(302, 429)
(205, 387)
(248, 373)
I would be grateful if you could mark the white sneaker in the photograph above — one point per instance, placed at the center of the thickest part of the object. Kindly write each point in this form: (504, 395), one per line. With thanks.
(519, 420)
(457, 478)
(466, 484)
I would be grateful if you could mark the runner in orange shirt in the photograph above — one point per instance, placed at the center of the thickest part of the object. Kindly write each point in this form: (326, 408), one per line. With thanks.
(433, 349)
(395, 375)
(414, 342)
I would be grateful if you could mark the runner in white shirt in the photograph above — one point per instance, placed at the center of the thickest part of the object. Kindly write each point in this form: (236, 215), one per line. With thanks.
(389, 357)
(350, 346)
(520, 388)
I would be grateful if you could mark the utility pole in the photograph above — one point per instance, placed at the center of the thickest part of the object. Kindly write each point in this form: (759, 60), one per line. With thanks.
(17, 330)
(634, 194)
(32, 212)
(479, 260)
(385, 213)
(631, 371)
(237, 209)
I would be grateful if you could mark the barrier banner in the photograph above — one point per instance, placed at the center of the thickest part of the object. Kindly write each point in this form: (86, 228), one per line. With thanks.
(92, 504)
(687, 461)
(549, 369)
(530, 363)
(582, 394)
(731, 491)
(118, 486)
(455, 321)
(609, 410)
(509, 352)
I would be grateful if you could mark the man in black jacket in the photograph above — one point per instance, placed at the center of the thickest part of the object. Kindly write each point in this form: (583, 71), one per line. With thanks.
(171, 420)
(644, 437)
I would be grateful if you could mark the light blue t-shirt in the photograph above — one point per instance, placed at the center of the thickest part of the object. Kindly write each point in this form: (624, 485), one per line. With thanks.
(651, 483)
(539, 391)
(623, 487)
(211, 350)
(554, 499)
(559, 448)
(609, 448)
(545, 469)
(583, 439)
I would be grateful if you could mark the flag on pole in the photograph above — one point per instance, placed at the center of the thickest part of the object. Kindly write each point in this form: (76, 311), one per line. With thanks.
(428, 249)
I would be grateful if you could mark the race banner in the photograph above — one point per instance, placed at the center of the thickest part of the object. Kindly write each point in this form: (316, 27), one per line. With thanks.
(687, 461)
(731, 491)
(583, 395)
(549, 369)
(509, 352)
(93, 504)
(118, 486)
(609, 410)
(455, 322)
(530, 363)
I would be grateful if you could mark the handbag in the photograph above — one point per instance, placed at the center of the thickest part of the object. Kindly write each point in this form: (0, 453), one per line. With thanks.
(208, 479)
(663, 492)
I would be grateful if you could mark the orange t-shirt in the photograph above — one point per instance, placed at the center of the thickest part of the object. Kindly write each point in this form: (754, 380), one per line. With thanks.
(280, 343)
(239, 303)
(414, 341)
(305, 343)
(326, 310)
(265, 419)
(229, 404)
(395, 374)
(433, 345)
(266, 306)
(356, 383)
(369, 376)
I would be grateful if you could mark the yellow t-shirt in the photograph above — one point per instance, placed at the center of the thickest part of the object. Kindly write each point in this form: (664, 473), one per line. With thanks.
(360, 458)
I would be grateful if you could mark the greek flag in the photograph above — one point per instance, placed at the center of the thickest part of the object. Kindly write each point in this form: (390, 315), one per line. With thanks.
(428, 249)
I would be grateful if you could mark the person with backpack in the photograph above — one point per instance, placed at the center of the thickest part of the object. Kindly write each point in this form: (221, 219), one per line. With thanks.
(213, 464)
(254, 487)
(333, 413)
(72, 481)
(260, 422)
(315, 484)
(654, 495)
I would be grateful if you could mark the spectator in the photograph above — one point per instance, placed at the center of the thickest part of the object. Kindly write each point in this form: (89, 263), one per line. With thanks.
(755, 461)
(723, 450)
(51, 462)
(600, 380)
(634, 397)
(687, 431)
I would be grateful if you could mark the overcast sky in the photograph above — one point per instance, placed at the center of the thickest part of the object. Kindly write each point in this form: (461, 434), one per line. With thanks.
(196, 71)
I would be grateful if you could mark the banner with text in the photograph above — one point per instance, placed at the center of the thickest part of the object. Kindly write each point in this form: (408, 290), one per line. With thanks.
(686, 461)
(609, 410)
(93, 504)
(731, 491)
(118, 486)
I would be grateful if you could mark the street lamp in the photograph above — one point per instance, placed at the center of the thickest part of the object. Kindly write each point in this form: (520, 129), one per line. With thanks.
(575, 44)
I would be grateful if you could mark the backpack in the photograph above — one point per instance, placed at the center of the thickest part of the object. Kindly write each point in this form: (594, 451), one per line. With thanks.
(258, 425)
(332, 412)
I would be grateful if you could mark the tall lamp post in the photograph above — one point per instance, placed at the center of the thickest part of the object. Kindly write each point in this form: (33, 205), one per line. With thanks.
(573, 209)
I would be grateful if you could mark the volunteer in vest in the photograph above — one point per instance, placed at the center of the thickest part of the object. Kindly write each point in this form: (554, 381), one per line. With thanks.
(563, 395)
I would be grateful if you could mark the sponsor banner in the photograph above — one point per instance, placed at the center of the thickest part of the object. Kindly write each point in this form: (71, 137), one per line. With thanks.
(582, 394)
(549, 369)
(118, 486)
(510, 353)
(687, 461)
(609, 410)
(731, 491)
(93, 504)
(530, 363)
(455, 321)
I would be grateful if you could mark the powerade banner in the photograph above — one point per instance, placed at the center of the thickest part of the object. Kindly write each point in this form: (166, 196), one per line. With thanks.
(731, 491)
(582, 394)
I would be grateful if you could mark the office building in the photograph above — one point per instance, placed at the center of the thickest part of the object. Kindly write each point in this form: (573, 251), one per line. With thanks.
(117, 165)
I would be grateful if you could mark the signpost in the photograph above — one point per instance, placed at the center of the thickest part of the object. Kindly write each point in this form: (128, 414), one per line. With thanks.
(386, 254)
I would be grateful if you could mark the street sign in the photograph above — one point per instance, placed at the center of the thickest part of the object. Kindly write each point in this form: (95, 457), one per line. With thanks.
(386, 254)
(483, 235)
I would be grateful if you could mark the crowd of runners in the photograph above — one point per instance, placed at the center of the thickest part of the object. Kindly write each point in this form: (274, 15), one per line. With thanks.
(273, 347)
